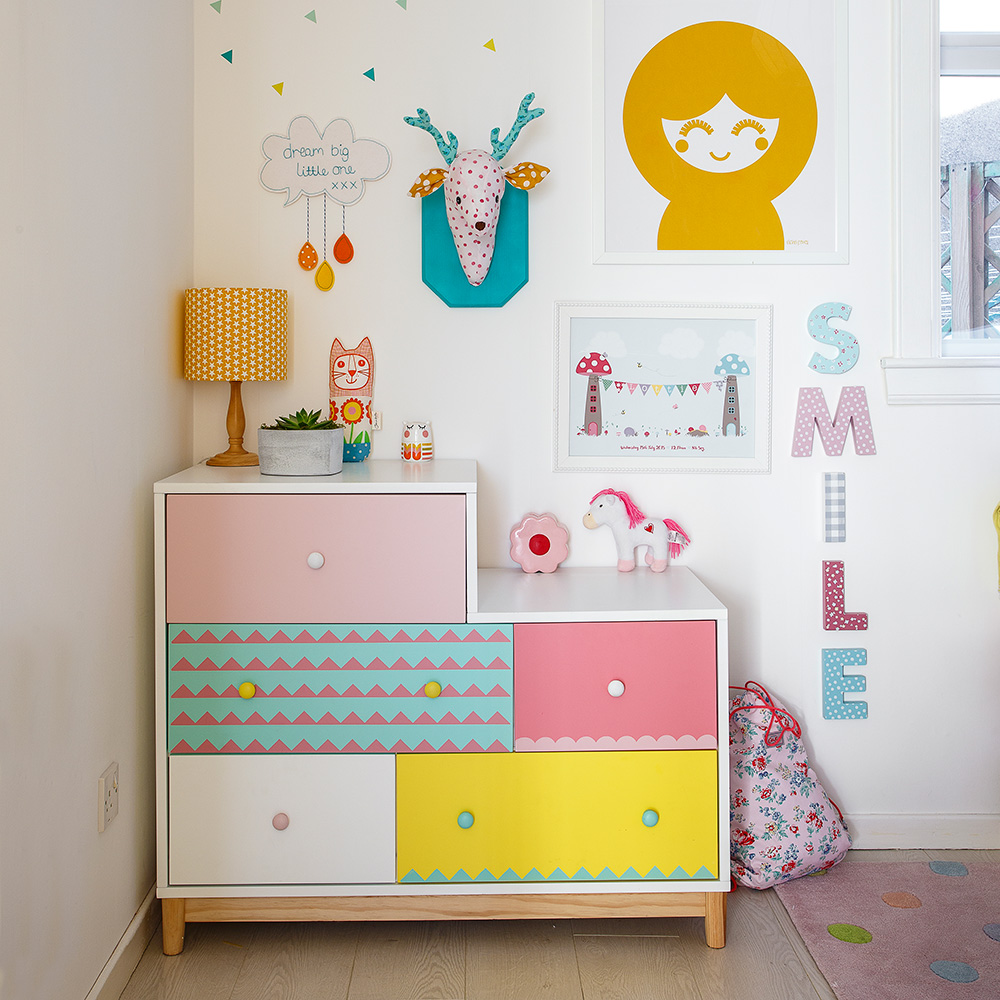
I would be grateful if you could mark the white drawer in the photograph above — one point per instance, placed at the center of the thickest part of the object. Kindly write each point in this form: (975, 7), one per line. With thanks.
(340, 813)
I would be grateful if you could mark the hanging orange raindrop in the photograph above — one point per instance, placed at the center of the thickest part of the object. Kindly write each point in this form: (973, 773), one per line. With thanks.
(308, 258)
(324, 277)
(343, 249)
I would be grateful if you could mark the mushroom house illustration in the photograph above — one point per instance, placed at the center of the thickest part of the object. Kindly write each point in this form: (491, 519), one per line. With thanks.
(662, 386)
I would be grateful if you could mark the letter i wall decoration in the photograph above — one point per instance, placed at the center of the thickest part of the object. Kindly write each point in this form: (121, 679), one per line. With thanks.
(330, 164)
(834, 507)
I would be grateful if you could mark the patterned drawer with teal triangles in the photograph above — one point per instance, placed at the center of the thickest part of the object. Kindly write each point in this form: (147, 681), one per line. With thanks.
(339, 688)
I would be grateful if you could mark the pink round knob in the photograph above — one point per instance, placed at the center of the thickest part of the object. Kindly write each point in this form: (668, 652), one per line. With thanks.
(280, 821)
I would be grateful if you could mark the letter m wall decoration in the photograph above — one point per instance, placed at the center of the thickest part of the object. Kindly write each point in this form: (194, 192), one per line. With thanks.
(852, 411)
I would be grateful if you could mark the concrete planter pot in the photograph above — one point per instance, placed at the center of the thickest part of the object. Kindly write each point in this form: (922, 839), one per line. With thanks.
(300, 453)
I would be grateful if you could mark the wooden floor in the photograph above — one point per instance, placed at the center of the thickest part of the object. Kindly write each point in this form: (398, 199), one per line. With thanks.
(764, 958)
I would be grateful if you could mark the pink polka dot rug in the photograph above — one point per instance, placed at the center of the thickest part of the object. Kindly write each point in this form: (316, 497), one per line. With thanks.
(902, 930)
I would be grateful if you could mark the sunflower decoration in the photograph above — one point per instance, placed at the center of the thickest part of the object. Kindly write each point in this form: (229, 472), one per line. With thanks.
(352, 411)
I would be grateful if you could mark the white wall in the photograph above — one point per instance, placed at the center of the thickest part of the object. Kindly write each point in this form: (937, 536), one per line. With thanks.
(96, 182)
(921, 550)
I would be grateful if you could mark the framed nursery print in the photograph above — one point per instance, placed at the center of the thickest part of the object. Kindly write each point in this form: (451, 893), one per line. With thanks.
(657, 387)
(720, 132)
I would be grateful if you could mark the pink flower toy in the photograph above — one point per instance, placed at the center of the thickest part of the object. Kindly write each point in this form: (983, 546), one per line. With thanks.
(539, 543)
(632, 530)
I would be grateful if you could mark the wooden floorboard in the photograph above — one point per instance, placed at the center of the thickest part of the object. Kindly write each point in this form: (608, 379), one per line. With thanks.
(521, 960)
(565, 959)
(207, 969)
(623, 967)
(410, 961)
(298, 962)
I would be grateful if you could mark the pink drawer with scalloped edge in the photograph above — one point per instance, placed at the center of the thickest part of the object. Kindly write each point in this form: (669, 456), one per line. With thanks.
(316, 558)
(615, 686)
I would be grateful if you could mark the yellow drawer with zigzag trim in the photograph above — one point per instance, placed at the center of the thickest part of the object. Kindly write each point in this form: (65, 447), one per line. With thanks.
(542, 817)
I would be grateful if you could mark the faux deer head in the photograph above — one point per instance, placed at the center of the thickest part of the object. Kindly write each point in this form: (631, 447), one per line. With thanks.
(474, 185)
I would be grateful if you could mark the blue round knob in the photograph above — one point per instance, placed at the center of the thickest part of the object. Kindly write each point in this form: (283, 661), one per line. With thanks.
(465, 820)
(650, 817)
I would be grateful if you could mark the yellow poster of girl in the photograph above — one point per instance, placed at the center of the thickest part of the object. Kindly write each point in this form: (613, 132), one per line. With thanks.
(724, 136)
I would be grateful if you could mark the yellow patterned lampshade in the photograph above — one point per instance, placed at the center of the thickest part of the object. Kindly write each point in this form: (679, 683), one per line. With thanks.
(235, 334)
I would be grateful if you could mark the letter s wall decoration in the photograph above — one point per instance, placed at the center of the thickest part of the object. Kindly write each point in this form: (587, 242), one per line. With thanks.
(472, 253)
(822, 327)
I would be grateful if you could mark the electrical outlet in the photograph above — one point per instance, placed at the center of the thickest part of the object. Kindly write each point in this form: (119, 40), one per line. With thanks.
(107, 795)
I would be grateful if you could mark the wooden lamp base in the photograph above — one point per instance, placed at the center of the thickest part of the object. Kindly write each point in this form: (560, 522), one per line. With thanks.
(236, 424)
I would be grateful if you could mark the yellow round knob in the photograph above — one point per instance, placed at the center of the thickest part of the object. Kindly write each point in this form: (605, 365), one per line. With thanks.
(432, 689)
(248, 689)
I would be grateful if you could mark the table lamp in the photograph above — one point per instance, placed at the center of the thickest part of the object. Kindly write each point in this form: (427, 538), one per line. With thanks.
(235, 335)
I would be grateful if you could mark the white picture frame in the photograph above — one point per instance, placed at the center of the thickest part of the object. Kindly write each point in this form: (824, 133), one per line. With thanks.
(812, 208)
(663, 389)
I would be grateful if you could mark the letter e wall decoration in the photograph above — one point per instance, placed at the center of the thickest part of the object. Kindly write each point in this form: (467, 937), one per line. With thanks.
(836, 684)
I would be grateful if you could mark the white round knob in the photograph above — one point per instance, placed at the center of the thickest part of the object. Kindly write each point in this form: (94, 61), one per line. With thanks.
(616, 689)
(315, 560)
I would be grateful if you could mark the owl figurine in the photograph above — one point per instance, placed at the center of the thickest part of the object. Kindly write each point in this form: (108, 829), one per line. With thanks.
(417, 441)
(352, 381)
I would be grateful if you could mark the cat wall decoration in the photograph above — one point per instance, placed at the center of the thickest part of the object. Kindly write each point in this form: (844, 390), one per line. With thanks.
(330, 164)
(352, 384)
(474, 254)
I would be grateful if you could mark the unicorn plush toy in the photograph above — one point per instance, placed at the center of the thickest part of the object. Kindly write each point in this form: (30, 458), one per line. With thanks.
(632, 529)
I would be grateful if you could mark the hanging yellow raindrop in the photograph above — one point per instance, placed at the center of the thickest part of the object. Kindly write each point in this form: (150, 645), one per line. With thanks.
(343, 249)
(308, 258)
(324, 277)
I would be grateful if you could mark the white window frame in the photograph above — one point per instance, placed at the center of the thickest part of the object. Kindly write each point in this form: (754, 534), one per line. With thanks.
(917, 373)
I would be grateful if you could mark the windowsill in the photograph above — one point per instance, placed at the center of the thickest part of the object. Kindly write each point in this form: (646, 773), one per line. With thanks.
(942, 380)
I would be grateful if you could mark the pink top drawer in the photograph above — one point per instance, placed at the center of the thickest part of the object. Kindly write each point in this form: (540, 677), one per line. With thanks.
(385, 557)
(615, 685)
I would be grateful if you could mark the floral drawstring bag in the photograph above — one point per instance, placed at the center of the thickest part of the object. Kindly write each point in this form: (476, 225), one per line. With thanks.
(782, 824)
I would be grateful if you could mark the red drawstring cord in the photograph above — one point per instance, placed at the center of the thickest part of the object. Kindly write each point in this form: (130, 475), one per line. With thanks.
(779, 717)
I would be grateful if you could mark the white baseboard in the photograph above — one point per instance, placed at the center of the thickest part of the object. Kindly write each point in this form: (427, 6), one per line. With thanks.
(924, 831)
(116, 973)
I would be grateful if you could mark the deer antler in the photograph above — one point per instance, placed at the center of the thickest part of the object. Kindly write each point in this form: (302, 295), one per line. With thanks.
(449, 150)
(501, 149)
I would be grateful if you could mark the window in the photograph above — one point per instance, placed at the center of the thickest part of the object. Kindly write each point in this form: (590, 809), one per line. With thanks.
(947, 344)
(969, 141)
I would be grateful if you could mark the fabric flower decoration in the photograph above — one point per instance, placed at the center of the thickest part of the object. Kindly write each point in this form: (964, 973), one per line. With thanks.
(352, 411)
(539, 543)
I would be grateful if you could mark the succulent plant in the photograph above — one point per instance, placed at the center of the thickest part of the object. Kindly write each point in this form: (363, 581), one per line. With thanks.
(304, 420)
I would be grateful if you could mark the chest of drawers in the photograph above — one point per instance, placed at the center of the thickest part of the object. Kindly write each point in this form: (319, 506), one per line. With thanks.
(354, 721)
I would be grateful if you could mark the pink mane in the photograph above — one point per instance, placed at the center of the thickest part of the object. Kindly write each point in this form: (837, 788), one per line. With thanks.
(634, 514)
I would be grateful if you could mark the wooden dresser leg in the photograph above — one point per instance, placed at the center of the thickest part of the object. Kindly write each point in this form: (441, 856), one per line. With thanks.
(173, 926)
(715, 919)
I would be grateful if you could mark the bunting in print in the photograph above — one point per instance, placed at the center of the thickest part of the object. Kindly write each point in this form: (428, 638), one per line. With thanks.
(663, 387)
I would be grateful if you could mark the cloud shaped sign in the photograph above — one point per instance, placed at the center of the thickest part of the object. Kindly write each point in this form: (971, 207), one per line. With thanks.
(332, 162)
